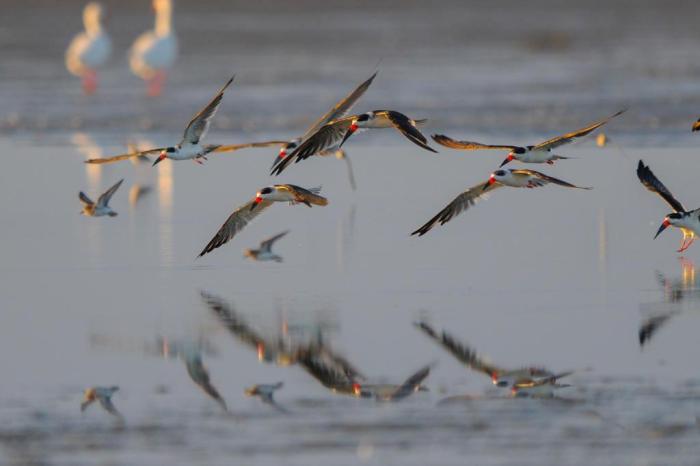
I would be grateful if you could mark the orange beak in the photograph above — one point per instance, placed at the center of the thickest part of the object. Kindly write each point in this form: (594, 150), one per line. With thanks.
(256, 201)
(348, 133)
(510, 158)
(160, 158)
(492, 180)
(356, 389)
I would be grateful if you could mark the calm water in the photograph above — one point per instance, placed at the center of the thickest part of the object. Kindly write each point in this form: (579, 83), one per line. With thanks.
(553, 277)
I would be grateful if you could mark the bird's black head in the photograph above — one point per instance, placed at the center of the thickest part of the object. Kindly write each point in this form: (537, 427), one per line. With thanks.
(363, 117)
(267, 190)
(675, 216)
(170, 150)
(519, 150)
(499, 173)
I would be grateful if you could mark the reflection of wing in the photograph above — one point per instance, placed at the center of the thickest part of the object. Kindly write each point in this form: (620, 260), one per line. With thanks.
(466, 145)
(544, 178)
(351, 174)
(130, 155)
(200, 376)
(327, 136)
(342, 108)
(568, 137)
(84, 404)
(411, 384)
(405, 125)
(103, 200)
(266, 246)
(461, 203)
(106, 403)
(84, 199)
(463, 353)
(235, 223)
(235, 147)
(329, 376)
(137, 192)
(650, 326)
(233, 322)
(198, 127)
(652, 183)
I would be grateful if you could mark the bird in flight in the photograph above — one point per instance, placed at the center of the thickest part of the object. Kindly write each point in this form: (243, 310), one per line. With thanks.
(104, 396)
(264, 253)
(687, 221)
(262, 200)
(101, 207)
(521, 178)
(333, 134)
(539, 153)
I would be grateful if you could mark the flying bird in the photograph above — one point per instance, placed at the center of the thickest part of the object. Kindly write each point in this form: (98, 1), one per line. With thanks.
(154, 52)
(90, 49)
(266, 393)
(334, 134)
(521, 178)
(104, 396)
(501, 377)
(262, 200)
(540, 153)
(264, 253)
(687, 221)
(92, 209)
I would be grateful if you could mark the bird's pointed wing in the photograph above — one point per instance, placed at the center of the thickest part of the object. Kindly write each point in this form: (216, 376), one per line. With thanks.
(341, 108)
(405, 125)
(461, 203)
(652, 183)
(84, 404)
(107, 404)
(84, 199)
(198, 127)
(649, 327)
(328, 374)
(103, 200)
(200, 376)
(235, 223)
(235, 147)
(467, 145)
(327, 136)
(568, 137)
(463, 353)
(267, 244)
(130, 155)
(545, 178)
(411, 384)
(232, 320)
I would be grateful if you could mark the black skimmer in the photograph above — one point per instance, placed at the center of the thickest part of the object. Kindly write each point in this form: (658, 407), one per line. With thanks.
(541, 388)
(687, 221)
(696, 126)
(266, 393)
(335, 133)
(154, 52)
(264, 253)
(90, 49)
(499, 376)
(521, 178)
(104, 396)
(262, 200)
(101, 207)
(540, 153)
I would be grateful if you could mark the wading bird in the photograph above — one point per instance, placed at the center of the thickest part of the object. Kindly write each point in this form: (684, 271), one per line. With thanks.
(90, 49)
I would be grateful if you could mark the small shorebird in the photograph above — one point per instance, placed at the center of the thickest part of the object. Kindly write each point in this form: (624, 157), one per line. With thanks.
(90, 49)
(266, 394)
(334, 134)
(540, 153)
(264, 253)
(92, 209)
(696, 126)
(687, 221)
(336, 374)
(521, 178)
(262, 200)
(155, 51)
(190, 147)
(500, 377)
(104, 396)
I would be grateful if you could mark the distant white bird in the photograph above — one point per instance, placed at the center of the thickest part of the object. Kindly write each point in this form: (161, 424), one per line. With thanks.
(104, 396)
(154, 52)
(90, 49)
(101, 208)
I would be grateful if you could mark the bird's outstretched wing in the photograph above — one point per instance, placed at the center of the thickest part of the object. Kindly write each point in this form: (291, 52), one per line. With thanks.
(411, 384)
(200, 376)
(235, 223)
(235, 147)
(407, 128)
(199, 125)
(326, 137)
(467, 145)
(568, 137)
(84, 199)
(652, 183)
(266, 246)
(107, 404)
(341, 108)
(462, 352)
(545, 179)
(130, 155)
(461, 203)
(650, 326)
(103, 200)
